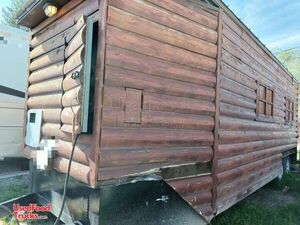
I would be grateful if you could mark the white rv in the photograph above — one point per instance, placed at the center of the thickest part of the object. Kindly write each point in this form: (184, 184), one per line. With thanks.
(14, 47)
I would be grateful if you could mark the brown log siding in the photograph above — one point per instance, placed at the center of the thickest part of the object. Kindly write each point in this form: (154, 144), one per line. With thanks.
(176, 84)
(160, 50)
(249, 150)
(48, 91)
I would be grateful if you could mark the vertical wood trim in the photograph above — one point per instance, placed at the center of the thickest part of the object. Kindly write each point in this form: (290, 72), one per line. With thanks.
(217, 114)
(26, 152)
(99, 81)
(257, 98)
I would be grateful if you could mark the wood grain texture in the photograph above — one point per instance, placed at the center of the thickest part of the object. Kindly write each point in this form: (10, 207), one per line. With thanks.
(126, 21)
(127, 59)
(99, 89)
(49, 86)
(166, 51)
(250, 150)
(164, 17)
(175, 84)
(52, 71)
(147, 46)
(197, 191)
(54, 41)
(65, 22)
(215, 162)
(78, 171)
(125, 137)
(188, 12)
(55, 56)
(125, 78)
(45, 101)
(51, 115)
(111, 157)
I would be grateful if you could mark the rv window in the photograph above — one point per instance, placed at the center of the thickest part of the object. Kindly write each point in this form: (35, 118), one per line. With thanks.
(289, 110)
(265, 101)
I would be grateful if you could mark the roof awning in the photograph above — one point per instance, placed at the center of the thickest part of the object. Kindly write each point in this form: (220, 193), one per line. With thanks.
(33, 14)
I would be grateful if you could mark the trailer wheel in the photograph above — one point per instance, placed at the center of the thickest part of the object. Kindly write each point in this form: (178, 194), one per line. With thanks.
(286, 163)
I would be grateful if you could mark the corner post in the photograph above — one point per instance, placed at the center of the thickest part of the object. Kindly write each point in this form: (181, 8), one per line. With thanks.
(217, 115)
(99, 80)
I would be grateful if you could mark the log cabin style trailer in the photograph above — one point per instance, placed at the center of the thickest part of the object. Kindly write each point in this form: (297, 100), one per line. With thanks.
(175, 90)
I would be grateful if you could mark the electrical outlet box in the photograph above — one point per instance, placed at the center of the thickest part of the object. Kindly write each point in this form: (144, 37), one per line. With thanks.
(33, 127)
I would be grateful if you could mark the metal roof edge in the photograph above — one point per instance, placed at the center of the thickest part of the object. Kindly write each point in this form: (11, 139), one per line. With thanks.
(27, 9)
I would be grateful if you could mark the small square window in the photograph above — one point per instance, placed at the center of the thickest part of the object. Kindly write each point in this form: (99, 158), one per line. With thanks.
(289, 110)
(265, 102)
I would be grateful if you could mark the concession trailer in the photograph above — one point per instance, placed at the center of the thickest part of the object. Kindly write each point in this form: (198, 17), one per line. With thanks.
(169, 111)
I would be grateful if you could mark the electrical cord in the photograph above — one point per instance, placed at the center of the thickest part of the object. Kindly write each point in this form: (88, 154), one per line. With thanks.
(66, 181)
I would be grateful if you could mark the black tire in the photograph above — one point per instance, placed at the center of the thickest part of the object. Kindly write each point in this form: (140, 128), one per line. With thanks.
(293, 158)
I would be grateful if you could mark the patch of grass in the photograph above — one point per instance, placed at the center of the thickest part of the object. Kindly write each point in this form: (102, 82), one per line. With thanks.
(290, 180)
(7, 221)
(12, 189)
(253, 213)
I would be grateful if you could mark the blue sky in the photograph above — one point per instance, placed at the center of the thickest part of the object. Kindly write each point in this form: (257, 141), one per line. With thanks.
(3, 3)
(275, 22)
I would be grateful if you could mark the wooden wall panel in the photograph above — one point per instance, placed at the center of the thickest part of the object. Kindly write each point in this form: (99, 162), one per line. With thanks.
(250, 150)
(50, 87)
(133, 107)
(196, 191)
(167, 57)
(161, 98)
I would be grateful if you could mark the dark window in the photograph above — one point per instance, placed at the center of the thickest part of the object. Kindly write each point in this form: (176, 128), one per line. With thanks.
(265, 101)
(289, 110)
(2, 40)
(32, 118)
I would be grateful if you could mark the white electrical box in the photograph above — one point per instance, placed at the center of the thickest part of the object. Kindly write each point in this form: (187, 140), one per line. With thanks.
(33, 127)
